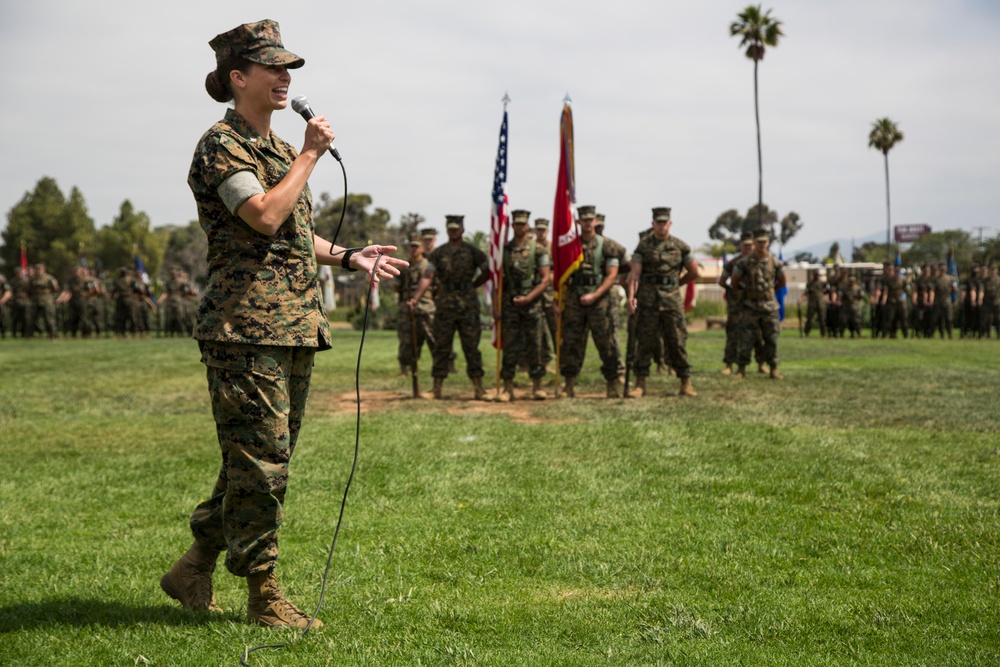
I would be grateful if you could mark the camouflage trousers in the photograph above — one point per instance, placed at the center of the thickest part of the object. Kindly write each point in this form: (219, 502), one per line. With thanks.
(815, 311)
(941, 319)
(731, 353)
(461, 315)
(850, 318)
(663, 330)
(577, 321)
(760, 319)
(894, 315)
(42, 318)
(259, 396)
(989, 318)
(410, 348)
(523, 340)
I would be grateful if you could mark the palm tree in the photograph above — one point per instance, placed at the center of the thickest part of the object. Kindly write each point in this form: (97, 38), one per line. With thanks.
(884, 136)
(757, 30)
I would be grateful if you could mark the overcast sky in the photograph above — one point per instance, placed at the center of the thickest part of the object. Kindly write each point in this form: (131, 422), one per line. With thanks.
(109, 97)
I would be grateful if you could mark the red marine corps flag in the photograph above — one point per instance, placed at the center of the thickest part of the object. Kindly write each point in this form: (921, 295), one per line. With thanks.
(498, 222)
(567, 253)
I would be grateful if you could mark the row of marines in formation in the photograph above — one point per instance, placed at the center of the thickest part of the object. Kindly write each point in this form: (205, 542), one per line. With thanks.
(34, 304)
(928, 302)
(438, 295)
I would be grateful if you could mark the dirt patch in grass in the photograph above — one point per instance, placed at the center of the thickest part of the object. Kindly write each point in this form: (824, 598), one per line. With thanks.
(521, 410)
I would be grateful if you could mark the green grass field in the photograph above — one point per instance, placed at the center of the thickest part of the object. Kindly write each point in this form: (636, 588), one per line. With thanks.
(848, 515)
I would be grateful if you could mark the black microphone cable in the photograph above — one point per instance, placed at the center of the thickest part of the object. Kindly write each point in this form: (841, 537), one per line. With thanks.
(357, 439)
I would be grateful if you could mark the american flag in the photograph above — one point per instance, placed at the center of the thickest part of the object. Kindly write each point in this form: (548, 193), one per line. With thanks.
(498, 216)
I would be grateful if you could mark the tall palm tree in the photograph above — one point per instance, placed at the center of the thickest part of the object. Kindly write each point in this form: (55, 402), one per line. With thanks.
(757, 30)
(884, 136)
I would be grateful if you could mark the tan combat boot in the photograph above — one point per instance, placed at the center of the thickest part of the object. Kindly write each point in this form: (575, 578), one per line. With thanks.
(569, 389)
(506, 395)
(537, 392)
(686, 388)
(640, 387)
(189, 581)
(477, 386)
(613, 388)
(728, 370)
(436, 391)
(269, 608)
(740, 373)
(775, 375)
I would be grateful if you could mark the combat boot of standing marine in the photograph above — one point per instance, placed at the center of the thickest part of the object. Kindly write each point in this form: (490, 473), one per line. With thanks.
(686, 388)
(612, 388)
(267, 606)
(640, 387)
(477, 387)
(189, 581)
(537, 392)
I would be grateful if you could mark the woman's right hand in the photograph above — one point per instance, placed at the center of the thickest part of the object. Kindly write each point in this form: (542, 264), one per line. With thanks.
(319, 135)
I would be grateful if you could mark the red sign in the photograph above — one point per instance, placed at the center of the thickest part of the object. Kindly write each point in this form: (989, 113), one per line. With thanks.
(910, 233)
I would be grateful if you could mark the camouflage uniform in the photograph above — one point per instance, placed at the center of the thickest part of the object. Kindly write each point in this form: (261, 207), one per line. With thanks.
(942, 312)
(851, 296)
(44, 289)
(523, 328)
(259, 324)
(815, 305)
(20, 309)
(77, 316)
(734, 308)
(457, 306)
(757, 276)
(5, 290)
(660, 312)
(578, 319)
(990, 309)
(420, 320)
(894, 291)
(616, 250)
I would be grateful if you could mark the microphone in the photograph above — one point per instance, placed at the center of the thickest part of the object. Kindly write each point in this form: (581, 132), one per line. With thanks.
(300, 105)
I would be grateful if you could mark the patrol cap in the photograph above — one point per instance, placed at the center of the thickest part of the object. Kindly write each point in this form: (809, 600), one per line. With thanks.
(541, 223)
(600, 218)
(746, 236)
(258, 42)
(520, 217)
(454, 221)
(428, 233)
(586, 212)
(761, 235)
(661, 213)
(415, 241)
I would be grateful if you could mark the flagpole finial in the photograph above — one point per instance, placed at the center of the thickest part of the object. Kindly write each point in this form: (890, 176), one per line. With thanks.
(567, 100)
(505, 100)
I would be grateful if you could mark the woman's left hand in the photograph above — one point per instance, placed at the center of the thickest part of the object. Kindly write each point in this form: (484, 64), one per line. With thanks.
(388, 266)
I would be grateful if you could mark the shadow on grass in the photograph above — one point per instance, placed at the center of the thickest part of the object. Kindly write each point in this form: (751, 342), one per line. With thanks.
(83, 612)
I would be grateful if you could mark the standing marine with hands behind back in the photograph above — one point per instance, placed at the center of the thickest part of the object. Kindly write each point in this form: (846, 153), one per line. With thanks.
(261, 319)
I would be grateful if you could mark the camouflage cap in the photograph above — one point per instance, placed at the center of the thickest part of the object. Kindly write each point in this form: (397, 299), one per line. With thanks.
(586, 212)
(541, 223)
(428, 233)
(746, 236)
(454, 221)
(600, 218)
(761, 235)
(258, 42)
(520, 217)
(415, 241)
(661, 213)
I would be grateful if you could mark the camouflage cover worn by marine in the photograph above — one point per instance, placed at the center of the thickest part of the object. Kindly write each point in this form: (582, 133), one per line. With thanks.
(261, 289)
(660, 313)
(757, 276)
(421, 319)
(457, 305)
(578, 319)
(523, 326)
